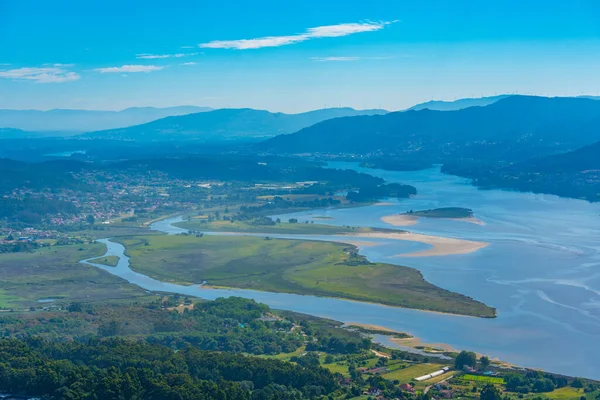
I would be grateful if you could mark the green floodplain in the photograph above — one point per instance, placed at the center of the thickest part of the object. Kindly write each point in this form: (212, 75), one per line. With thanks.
(54, 273)
(291, 266)
(111, 261)
(281, 228)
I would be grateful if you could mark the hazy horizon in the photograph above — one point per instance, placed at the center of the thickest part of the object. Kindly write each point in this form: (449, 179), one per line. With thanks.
(214, 108)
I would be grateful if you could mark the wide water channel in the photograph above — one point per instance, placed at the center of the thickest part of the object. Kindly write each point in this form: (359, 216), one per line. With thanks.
(541, 271)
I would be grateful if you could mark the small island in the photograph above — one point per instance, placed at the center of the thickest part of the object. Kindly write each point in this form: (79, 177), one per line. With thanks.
(445, 212)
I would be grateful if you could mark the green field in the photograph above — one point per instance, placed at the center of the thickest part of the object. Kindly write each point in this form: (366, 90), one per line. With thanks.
(111, 261)
(567, 393)
(482, 379)
(292, 266)
(407, 374)
(55, 273)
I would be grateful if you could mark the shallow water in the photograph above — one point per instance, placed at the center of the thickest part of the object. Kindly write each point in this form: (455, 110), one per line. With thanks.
(541, 271)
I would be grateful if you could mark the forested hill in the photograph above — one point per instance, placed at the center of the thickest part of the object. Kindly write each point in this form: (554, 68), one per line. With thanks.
(586, 158)
(526, 120)
(226, 124)
(572, 174)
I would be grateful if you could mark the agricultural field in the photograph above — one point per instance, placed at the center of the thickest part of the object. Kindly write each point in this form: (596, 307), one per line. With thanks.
(291, 266)
(494, 380)
(412, 372)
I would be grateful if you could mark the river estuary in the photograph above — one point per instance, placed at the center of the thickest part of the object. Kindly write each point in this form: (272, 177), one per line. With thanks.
(541, 271)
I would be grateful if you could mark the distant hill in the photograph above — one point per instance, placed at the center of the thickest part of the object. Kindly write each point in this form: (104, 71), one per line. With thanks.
(583, 159)
(521, 121)
(226, 124)
(571, 174)
(12, 133)
(438, 105)
(77, 121)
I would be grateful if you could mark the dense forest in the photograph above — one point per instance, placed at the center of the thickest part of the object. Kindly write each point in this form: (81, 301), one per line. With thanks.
(125, 369)
(154, 351)
(374, 192)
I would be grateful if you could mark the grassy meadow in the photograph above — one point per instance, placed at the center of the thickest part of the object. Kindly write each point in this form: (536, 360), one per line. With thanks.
(110, 261)
(291, 266)
(54, 272)
(282, 228)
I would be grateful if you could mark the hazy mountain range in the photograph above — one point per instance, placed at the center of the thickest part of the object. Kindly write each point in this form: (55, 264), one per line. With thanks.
(227, 124)
(438, 105)
(64, 121)
(529, 120)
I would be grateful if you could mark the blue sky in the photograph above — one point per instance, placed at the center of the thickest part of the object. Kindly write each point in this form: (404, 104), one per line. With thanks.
(292, 56)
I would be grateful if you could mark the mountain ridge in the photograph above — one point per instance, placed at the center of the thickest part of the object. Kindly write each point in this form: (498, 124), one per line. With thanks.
(459, 104)
(516, 119)
(81, 120)
(226, 124)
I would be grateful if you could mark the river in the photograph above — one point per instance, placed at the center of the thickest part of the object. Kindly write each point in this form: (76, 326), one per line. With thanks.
(541, 271)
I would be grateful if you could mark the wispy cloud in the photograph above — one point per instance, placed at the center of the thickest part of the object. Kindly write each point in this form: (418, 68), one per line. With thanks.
(321, 59)
(161, 56)
(129, 68)
(325, 59)
(60, 65)
(40, 75)
(189, 63)
(311, 33)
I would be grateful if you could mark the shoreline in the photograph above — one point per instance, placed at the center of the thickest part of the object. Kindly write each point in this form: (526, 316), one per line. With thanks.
(417, 343)
(441, 246)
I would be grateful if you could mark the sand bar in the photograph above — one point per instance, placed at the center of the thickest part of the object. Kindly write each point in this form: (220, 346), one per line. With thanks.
(408, 220)
(441, 246)
(400, 220)
(370, 327)
(415, 343)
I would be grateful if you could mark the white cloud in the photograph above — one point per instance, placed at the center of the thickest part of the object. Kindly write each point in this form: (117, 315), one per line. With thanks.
(189, 63)
(161, 56)
(323, 59)
(310, 33)
(62, 65)
(335, 58)
(129, 68)
(40, 75)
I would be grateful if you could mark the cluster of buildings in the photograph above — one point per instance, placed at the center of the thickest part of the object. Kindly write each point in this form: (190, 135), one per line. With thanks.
(104, 196)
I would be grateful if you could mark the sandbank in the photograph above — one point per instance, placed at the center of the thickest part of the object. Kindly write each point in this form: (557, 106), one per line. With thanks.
(370, 327)
(400, 220)
(417, 343)
(408, 220)
(441, 246)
